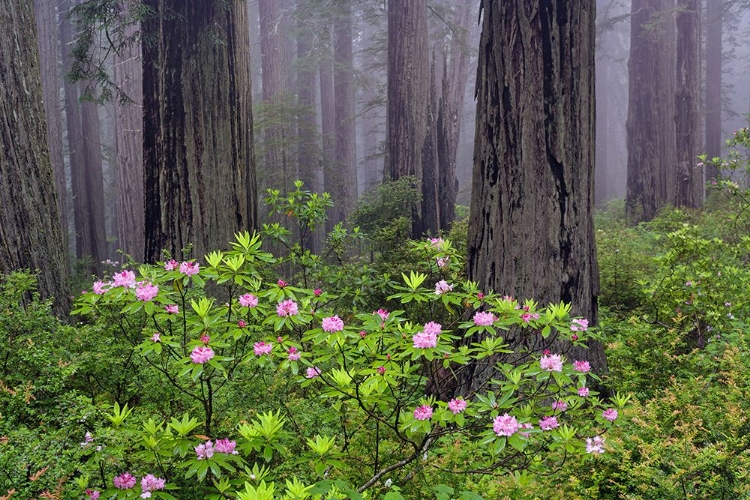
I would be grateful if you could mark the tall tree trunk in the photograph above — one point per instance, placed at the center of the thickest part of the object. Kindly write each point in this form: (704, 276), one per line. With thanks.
(650, 123)
(307, 156)
(197, 126)
(430, 223)
(344, 193)
(30, 235)
(276, 170)
(531, 231)
(46, 22)
(714, 24)
(408, 92)
(371, 121)
(128, 75)
(328, 113)
(688, 180)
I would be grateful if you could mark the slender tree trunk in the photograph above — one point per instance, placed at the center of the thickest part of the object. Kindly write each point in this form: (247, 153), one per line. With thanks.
(345, 192)
(372, 120)
(430, 223)
(408, 94)
(714, 24)
(531, 231)
(30, 235)
(46, 22)
(328, 114)
(197, 126)
(688, 179)
(306, 86)
(128, 74)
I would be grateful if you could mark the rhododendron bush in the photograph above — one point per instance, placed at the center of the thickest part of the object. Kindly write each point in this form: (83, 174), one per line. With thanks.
(354, 402)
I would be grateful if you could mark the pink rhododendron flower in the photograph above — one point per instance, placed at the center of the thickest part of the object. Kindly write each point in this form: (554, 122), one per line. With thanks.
(261, 348)
(480, 295)
(125, 279)
(190, 268)
(98, 287)
(281, 283)
(201, 354)
(457, 405)
(551, 362)
(172, 309)
(205, 450)
(574, 337)
(146, 292)
(484, 318)
(124, 481)
(362, 334)
(156, 337)
(294, 354)
(287, 308)
(610, 414)
(92, 494)
(333, 324)
(581, 366)
(170, 265)
(312, 372)
(248, 300)
(579, 325)
(442, 262)
(437, 243)
(225, 446)
(423, 412)
(583, 392)
(442, 287)
(505, 425)
(150, 483)
(381, 370)
(595, 445)
(317, 292)
(548, 423)
(424, 340)
(559, 406)
(242, 323)
(433, 328)
(526, 317)
(205, 339)
(383, 313)
(526, 425)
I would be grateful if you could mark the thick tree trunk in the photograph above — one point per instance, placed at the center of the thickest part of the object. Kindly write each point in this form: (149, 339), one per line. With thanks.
(46, 22)
(714, 23)
(688, 179)
(30, 235)
(308, 152)
(345, 193)
(197, 126)
(430, 223)
(372, 117)
(128, 74)
(328, 114)
(408, 92)
(531, 231)
(650, 123)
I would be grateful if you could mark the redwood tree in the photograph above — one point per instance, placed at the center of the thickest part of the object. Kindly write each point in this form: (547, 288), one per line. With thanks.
(197, 126)
(714, 23)
(29, 220)
(531, 231)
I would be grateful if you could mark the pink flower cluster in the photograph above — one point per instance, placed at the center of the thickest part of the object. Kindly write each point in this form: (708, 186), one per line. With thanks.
(294, 354)
(125, 279)
(383, 314)
(579, 325)
(427, 338)
(581, 366)
(190, 268)
(146, 292)
(261, 348)
(457, 405)
(437, 243)
(124, 481)
(423, 412)
(610, 414)
(583, 392)
(442, 287)
(201, 354)
(92, 494)
(171, 265)
(484, 318)
(207, 449)
(150, 483)
(559, 406)
(595, 445)
(248, 300)
(551, 362)
(505, 425)
(172, 309)
(333, 324)
(528, 316)
(287, 308)
(312, 372)
(548, 423)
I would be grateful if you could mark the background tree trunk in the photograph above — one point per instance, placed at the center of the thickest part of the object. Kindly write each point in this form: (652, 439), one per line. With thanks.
(197, 126)
(328, 114)
(128, 75)
(308, 152)
(714, 24)
(531, 231)
(30, 235)
(688, 179)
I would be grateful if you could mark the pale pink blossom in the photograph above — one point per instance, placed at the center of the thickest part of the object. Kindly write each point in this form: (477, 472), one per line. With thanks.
(526, 425)
(150, 483)
(442, 287)
(383, 314)
(333, 324)
(170, 265)
(581, 366)
(424, 340)
(583, 392)
(548, 423)
(125, 279)
(172, 309)
(261, 348)
(559, 406)
(248, 300)
(146, 292)
(156, 337)
(205, 450)
(610, 414)
(437, 243)
(433, 328)
(99, 287)
(124, 481)
(579, 325)
(294, 354)
(595, 445)
(528, 316)
(190, 268)
(312, 372)
(442, 262)
(225, 446)
(92, 494)
(505, 425)
(551, 362)
(423, 412)
(457, 405)
(484, 318)
(201, 354)
(287, 308)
